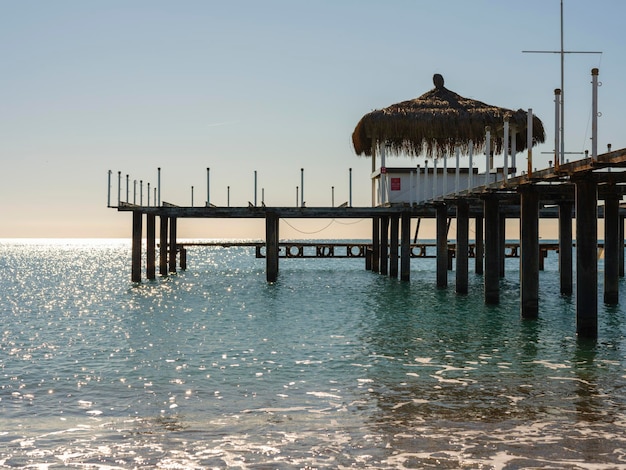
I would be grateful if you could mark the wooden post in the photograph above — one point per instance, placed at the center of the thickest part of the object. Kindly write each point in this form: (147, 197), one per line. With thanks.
(492, 268)
(611, 249)
(163, 245)
(384, 244)
(271, 247)
(565, 247)
(442, 245)
(462, 246)
(405, 250)
(586, 258)
(502, 243)
(621, 246)
(480, 245)
(136, 247)
(393, 247)
(376, 244)
(183, 258)
(529, 253)
(172, 247)
(150, 246)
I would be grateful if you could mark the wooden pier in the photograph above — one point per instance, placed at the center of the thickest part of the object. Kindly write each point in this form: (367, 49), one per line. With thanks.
(569, 192)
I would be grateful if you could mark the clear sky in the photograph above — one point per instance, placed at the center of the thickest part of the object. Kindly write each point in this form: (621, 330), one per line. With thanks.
(272, 86)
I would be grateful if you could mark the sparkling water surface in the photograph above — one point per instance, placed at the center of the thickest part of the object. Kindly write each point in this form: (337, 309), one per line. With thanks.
(330, 367)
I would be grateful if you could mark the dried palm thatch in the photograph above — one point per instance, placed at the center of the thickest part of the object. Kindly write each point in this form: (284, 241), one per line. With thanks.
(439, 121)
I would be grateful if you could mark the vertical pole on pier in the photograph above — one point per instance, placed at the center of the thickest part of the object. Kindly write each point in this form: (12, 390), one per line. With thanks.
(350, 187)
(479, 252)
(492, 269)
(332, 196)
(514, 149)
(150, 246)
(444, 190)
(565, 247)
(119, 187)
(141, 192)
(375, 244)
(255, 189)
(227, 196)
(457, 175)
(611, 249)
(505, 152)
(594, 115)
(136, 247)
(487, 154)
(393, 247)
(301, 187)
(462, 246)
(148, 195)
(425, 179)
(134, 191)
(158, 203)
(127, 189)
(384, 244)
(208, 187)
(435, 177)
(470, 176)
(109, 189)
(557, 127)
(502, 243)
(529, 252)
(192, 196)
(163, 244)
(442, 245)
(405, 248)
(586, 258)
(529, 141)
(173, 243)
(271, 247)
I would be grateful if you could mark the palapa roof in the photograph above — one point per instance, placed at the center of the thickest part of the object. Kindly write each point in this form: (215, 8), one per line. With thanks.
(437, 122)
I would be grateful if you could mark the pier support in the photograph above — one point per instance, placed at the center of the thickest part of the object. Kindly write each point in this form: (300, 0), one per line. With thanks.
(611, 249)
(376, 244)
(163, 245)
(405, 248)
(442, 245)
(565, 247)
(271, 247)
(462, 246)
(529, 255)
(384, 245)
(621, 246)
(492, 257)
(150, 246)
(393, 246)
(479, 252)
(586, 258)
(136, 247)
(172, 248)
(502, 243)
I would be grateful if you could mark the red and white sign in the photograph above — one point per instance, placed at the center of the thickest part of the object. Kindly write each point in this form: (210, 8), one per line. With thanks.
(395, 184)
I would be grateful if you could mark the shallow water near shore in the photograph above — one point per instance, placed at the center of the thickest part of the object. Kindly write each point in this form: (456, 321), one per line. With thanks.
(330, 367)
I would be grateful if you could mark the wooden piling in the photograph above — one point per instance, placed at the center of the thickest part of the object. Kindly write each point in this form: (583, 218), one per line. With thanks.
(442, 245)
(405, 248)
(501, 243)
(151, 246)
(480, 245)
(163, 245)
(462, 246)
(393, 246)
(586, 258)
(492, 267)
(271, 247)
(375, 244)
(529, 253)
(565, 247)
(136, 247)
(384, 245)
(621, 246)
(183, 258)
(172, 247)
(611, 249)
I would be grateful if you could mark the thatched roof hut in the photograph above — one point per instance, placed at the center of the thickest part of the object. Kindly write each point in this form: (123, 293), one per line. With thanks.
(437, 122)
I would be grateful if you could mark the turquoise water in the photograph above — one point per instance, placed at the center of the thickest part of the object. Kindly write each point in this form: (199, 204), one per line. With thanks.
(330, 367)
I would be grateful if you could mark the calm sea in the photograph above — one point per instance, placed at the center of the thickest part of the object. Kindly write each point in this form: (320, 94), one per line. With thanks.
(330, 367)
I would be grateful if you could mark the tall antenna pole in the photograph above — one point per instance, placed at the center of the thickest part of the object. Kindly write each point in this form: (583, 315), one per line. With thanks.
(560, 153)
